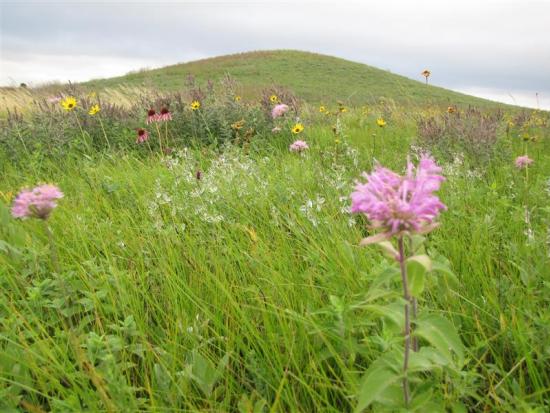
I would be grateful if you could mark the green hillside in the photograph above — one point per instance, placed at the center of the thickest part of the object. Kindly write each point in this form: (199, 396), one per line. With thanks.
(313, 77)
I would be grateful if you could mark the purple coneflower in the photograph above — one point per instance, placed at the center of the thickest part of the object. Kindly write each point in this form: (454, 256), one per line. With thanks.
(142, 135)
(397, 205)
(37, 202)
(164, 114)
(152, 116)
(279, 110)
(298, 146)
(523, 161)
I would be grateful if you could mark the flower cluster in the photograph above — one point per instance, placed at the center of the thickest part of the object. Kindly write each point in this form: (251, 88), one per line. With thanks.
(36, 203)
(523, 162)
(298, 146)
(396, 204)
(279, 110)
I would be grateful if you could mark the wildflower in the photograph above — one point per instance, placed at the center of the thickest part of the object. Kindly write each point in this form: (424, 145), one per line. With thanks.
(69, 103)
(164, 114)
(94, 110)
(279, 110)
(198, 175)
(142, 135)
(451, 109)
(523, 161)
(238, 125)
(152, 116)
(195, 105)
(276, 129)
(237, 98)
(336, 141)
(298, 128)
(298, 146)
(381, 122)
(54, 99)
(36, 203)
(322, 109)
(396, 204)
(426, 73)
(273, 99)
(342, 108)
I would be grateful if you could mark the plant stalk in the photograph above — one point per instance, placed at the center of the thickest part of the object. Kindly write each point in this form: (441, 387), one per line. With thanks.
(407, 332)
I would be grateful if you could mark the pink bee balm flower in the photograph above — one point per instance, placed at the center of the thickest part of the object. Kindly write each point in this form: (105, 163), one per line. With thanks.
(279, 110)
(298, 146)
(523, 161)
(396, 204)
(152, 116)
(36, 203)
(142, 135)
(164, 115)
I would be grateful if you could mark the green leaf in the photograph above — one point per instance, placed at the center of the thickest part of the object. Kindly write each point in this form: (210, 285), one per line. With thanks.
(441, 334)
(417, 266)
(377, 379)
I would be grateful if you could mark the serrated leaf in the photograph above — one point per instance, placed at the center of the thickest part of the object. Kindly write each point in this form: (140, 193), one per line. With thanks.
(441, 334)
(377, 379)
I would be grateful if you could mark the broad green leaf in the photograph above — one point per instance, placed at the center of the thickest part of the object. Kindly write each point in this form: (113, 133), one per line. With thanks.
(417, 266)
(377, 379)
(441, 334)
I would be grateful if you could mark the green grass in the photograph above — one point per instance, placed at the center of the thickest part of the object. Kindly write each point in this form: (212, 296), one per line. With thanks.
(313, 77)
(248, 286)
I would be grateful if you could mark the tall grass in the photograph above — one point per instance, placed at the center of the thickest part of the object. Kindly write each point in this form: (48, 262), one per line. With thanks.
(246, 290)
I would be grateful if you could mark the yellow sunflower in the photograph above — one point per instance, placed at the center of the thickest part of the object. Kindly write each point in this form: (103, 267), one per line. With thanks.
(451, 109)
(237, 98)
(94, 109)
(238, 125)
(298, 128)
(381, 122)
(69, 103)
(273, 99)
(195, 105)
(322, 109)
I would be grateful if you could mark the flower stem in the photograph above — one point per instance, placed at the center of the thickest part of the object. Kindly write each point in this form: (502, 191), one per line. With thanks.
(407, 332)
(160, 138)
(53, 248)
(104, 133)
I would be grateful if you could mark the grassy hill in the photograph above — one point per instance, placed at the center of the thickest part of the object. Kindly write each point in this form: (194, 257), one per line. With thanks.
(313, 77)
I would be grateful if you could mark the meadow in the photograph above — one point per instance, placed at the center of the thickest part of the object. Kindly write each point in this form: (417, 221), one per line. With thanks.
(208, 267)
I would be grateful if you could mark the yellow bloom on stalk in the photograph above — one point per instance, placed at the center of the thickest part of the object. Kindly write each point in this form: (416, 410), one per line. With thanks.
(273, 99)
(336, 141)
(426, 73)
(451, 109)
(322, 109)
(94, 109)
(238, 125)
(69, 103)
(298, 128)
(342, 109)
(195, 105)
(381, 122)
(237, 98)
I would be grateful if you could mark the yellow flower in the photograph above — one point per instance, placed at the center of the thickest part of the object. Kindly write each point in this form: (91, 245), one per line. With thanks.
(273, 99)
(195, 105)
(237, 98)
(342, 109)
(322, 109)
(426, 73)
(298, 128)
(336, 141)
(94, 109)
(69, 103)
(381, 122)
(238, 125)
(451, 109)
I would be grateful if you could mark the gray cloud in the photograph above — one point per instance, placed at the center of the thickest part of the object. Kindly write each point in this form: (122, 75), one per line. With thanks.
(468, 45)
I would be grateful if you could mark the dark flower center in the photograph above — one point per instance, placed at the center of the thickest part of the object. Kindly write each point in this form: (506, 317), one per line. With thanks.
(164, 111)
(151, 112)
(141, 132)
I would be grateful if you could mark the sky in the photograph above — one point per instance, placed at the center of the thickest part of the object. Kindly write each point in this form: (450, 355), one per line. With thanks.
(494, 49)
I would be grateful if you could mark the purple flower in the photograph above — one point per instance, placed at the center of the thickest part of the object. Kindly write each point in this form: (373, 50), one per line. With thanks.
(36, 203)
(279, 110)
(164, 115)
(523, 161)
(396, 204)
(142, 135)
(298, 146)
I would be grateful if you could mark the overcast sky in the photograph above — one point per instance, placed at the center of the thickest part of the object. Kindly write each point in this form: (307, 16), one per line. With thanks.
(494, 49)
